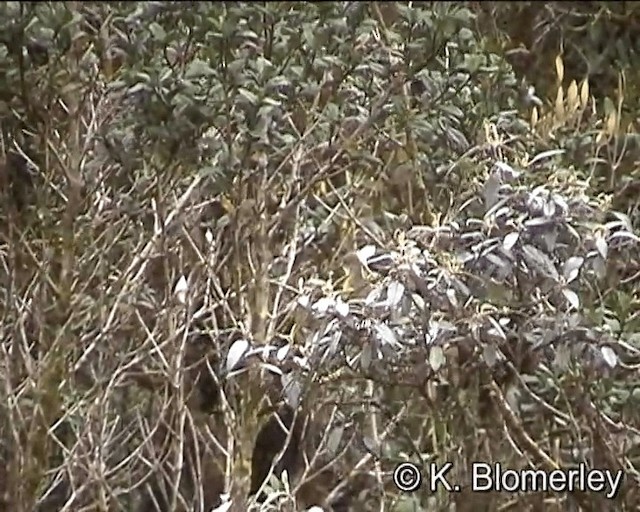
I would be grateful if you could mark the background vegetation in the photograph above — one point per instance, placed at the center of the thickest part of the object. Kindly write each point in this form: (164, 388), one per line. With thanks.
(413, 224)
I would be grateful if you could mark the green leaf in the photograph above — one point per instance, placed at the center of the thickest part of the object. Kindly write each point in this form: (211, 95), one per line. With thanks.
(198, 68)
(248, 96)
(158, 33)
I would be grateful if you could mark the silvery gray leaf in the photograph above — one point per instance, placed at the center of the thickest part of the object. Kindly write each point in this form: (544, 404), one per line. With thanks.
(609, 356)
(489, 245)
(225, 507)
(512, 397)
(437, 358)
(538, 221)
(336, 336)
(386, 335)
(496, 260)
(451, 295)
(507, 173)
(572, 231)
(535, 205)
(272, 368)
(395, 292)
(540, 261)
(599, 267)
(490, 192)
(549, 208)
(574, 320)
(572, 298)
(418, 301)
(562, 357)
(602, 246)
(181, 290)
(472, 236)
(497, 206)
(373, 296)
(304, 301)
(561, 203)
(365, 253)
(366, 356)
(497, 329)
(334, 438)
(302, 362)
(323, 304)
(623, 221)
(460, 286)
(550, 238)
(504, 321)
(236, 352)
(341, 307)
(490, 355)
(386, 351)
(381, 262)
(292, 389)
(510, 240)
(571, 268)
(505, 211)
(624, 234)
(282, 352)
(432, 332)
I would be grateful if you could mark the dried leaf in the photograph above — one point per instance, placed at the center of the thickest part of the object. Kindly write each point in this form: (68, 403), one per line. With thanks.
(559, 106)
(611, 124)
(559, 68)
(544, 155)
(584, 93)
(572, 96)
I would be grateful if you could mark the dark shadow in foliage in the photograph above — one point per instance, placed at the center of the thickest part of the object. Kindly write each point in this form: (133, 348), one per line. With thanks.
(302, 442)
(200, 469)
(270, 441)
(16, 180)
